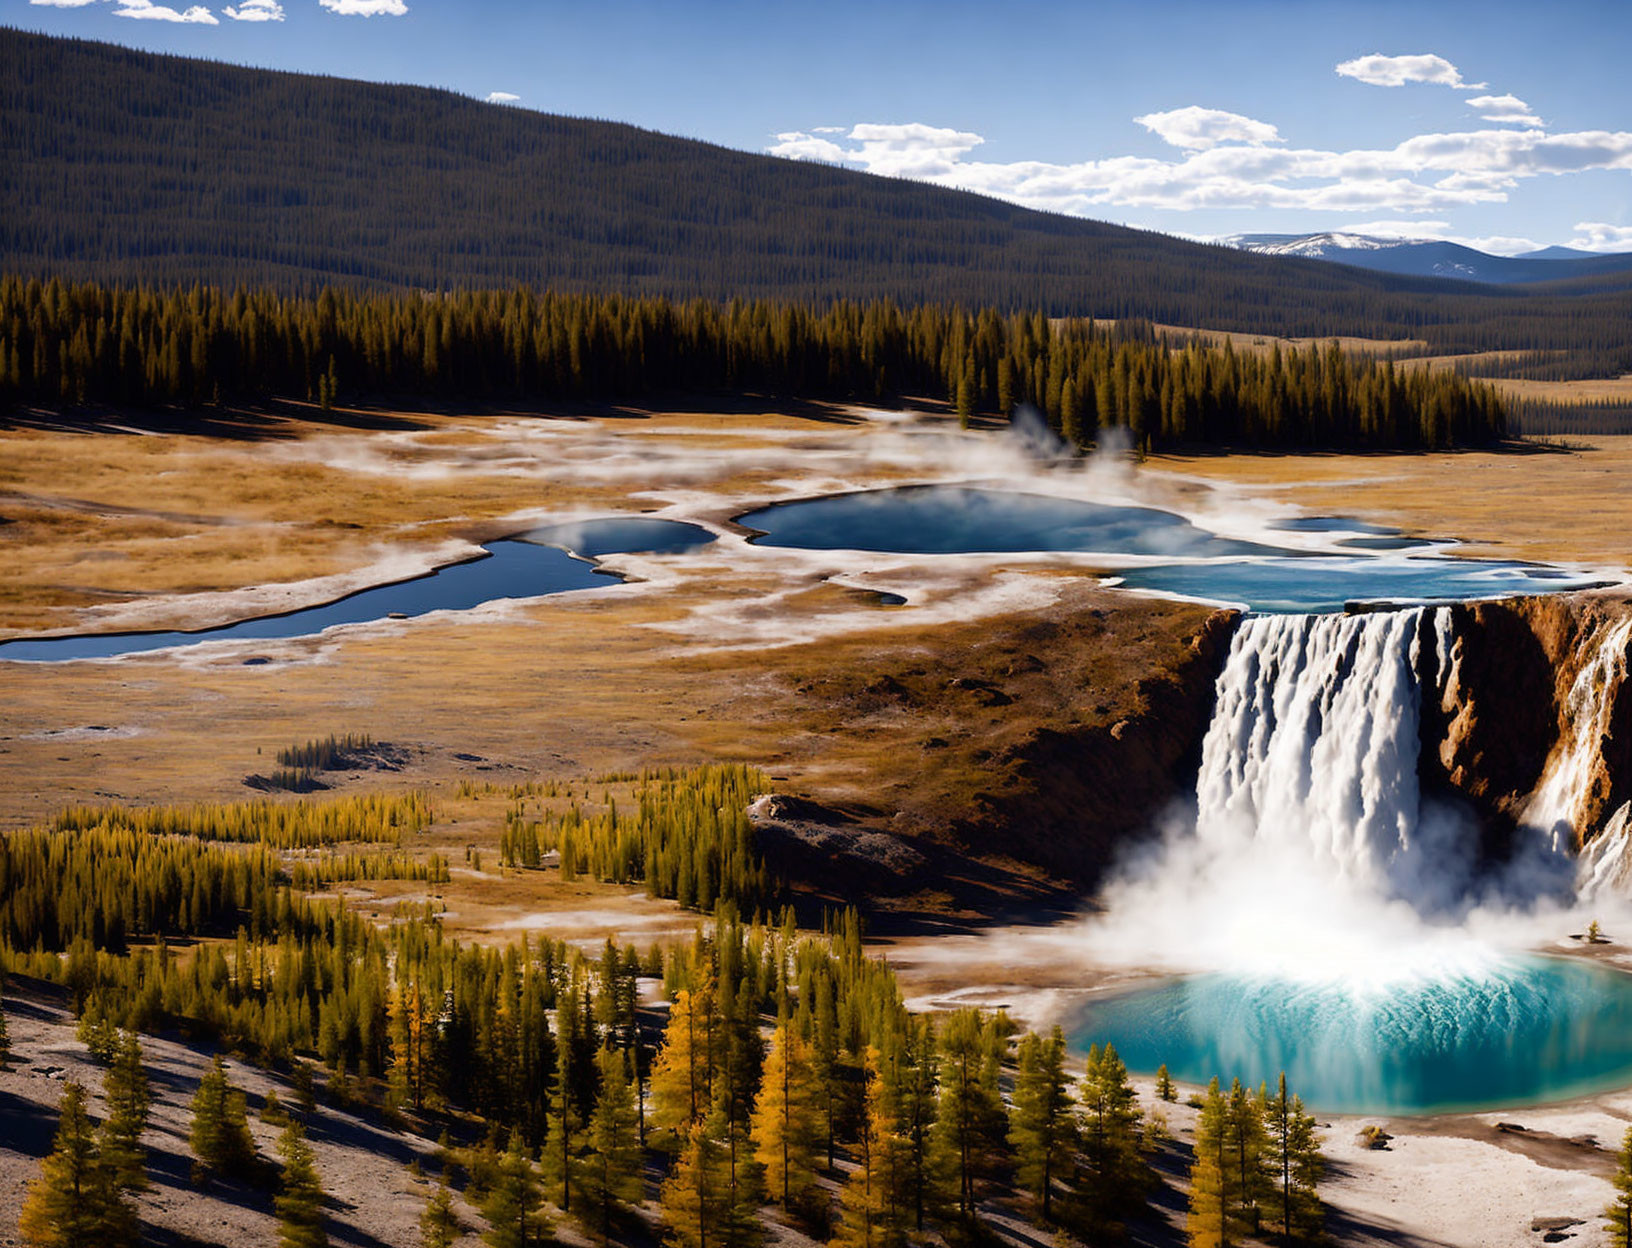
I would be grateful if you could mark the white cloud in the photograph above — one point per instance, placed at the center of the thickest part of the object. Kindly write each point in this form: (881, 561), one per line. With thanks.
(63, 4)
(1424, 174)
(1601, 236)
(1396, 71)
(1197, 129)
(365, 8)
(1504, 108)
(913, 150)
(502, 97)
(148, 11)
(255, 11)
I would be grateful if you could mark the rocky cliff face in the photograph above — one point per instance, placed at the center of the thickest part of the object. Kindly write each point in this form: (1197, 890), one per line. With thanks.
(1530, 718)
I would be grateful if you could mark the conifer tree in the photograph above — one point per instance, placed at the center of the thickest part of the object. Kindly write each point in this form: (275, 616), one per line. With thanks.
(870, 1208)
(1042, 1129)
(1114, 1173)
(786, 1118)
(219, 1135)
(917, 1110)
(562, 1161)
(702, 1208)
(1295, 1164)
(611, 1180)
(5, 1034)
(1618, 1217)
(966, 1112)
(682, 1076)
(1248, 1145)
(125, 1089)
(299, 1201)
(1164, 1084)
(439, 1225)
(1212, 1191)
(76, 1201)
(513, 1207)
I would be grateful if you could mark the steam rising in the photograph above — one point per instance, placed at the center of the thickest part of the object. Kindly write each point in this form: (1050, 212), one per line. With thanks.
(1311, 852)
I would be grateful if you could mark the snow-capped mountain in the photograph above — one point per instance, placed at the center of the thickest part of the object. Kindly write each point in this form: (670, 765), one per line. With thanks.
(1420, 257)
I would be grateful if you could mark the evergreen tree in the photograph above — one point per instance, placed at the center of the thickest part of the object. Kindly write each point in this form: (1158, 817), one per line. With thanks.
(917, 1113)
(966, 1114)
(786, 1118)
(1043, 1129)
(1619, 1214)
(439, 1225)
(1248, 1144)
(514, 1206)
(1295, 1164)
(701, 1206)
(5, 1035)
(870, 1206)
(219, 1135)
(299, 1201)
(1115, 1175)
(682, 1076)
(1213, 1194)
(125, 1089)
(611, 1181)
(76, 1201)
(1164, 1084)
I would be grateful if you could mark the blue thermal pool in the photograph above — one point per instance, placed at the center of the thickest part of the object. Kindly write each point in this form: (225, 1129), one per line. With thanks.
(1527, 1030)
(1329, 583)
(947, 520)
(529, 567)
(957, 520)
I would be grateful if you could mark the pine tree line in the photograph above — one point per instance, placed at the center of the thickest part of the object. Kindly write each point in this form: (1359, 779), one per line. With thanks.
(68, 345)
(689, 838)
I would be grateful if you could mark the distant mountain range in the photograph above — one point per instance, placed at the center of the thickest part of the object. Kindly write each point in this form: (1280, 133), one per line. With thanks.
(1411, 257)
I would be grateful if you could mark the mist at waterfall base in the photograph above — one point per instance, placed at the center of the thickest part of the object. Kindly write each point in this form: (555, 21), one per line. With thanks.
(1327, 918)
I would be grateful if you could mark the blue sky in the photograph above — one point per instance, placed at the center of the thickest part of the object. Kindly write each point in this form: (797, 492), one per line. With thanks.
(1496, 123)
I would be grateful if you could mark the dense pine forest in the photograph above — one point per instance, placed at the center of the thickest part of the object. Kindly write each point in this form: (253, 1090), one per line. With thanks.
(785, 1072)
(173, 170)
(85, 343)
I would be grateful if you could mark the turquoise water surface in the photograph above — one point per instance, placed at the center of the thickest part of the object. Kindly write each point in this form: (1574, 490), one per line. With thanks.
(1527, 1030)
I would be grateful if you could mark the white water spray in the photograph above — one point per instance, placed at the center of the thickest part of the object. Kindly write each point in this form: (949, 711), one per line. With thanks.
(1312, 851)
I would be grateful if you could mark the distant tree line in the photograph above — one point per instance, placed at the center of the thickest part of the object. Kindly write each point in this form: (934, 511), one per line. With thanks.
(178, 170)
(74, 344)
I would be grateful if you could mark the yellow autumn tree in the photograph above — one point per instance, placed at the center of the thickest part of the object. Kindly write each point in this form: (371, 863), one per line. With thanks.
(871, 1213)
(683, 1074)
(786, 1119)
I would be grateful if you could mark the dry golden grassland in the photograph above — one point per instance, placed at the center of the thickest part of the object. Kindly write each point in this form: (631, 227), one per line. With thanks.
(1559, 505)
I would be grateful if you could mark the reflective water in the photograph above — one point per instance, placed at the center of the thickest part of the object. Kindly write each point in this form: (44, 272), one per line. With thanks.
(1328, 583)
(1526, 1030)
(951, 520)
(945, 520)
(535, 565)
(623, 535)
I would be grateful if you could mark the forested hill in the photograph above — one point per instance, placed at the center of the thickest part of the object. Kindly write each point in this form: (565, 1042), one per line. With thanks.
(127, 165)
(131, 167)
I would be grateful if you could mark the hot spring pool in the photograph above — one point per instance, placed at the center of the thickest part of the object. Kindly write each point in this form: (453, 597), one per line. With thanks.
(952, 520)
(553, 560)
(1525, 1030)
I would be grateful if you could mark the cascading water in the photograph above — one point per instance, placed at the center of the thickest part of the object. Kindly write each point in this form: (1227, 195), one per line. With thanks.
(1335, 921)
(1558, 807)
(1313, 744)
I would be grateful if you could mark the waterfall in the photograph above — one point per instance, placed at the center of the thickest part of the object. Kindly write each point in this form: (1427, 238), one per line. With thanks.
(1558, 807)
(1313, 750)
